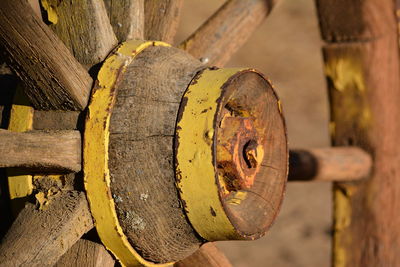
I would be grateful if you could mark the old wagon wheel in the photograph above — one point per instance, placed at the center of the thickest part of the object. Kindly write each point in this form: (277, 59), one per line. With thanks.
(175, 152)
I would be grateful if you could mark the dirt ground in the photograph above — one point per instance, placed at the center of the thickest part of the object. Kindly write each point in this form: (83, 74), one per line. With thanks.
(286, 48)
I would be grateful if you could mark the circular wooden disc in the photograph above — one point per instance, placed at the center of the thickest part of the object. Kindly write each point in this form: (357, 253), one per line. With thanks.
(251, 153)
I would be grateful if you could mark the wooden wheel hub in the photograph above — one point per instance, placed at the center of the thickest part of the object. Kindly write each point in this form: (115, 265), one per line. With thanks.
(227, 120)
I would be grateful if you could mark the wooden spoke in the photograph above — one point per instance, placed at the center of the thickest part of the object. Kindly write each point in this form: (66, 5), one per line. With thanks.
(362, 66)
(54, 79)
(227, 30)
(208, 255)
(127, 18)
(36, 7)
(329, 164)
(86, 253)
(161, 19)
(41, 151)
(40, 236)
(55, 120)
(84, 28)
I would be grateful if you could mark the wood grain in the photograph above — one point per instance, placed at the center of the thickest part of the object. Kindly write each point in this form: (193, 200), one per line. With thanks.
(41, 151)
(40, 237)
(54, 79)
(208, 255)
(161, 18)
(141, 166)
(357, 21)
(84, 28)
(364, 89)
(35, 7)
(251, 155)
(329, 164)
(57, 120)
(227, 30)
(86, 253)
(127, 18)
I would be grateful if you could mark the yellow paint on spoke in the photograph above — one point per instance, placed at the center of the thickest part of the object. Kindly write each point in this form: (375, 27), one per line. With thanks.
(21, 120)
(95, 154)
(51, 11)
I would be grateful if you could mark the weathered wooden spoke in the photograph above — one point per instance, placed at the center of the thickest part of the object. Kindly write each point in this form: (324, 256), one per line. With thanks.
(207, 255)
(127, 18)
(329, 164)
(91, 37)
(53, 77)
(57, 226)
(227, 30)
(161, 19)
(41, 151)
(86, 253)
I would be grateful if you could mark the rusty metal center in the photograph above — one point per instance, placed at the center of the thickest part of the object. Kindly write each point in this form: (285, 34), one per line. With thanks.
(239, 152)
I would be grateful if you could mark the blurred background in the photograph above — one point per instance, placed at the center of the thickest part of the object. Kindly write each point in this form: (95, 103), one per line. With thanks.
(287, 49)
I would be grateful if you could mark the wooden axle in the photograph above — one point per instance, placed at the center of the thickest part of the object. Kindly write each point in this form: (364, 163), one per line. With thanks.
(329, 164)
(41, 151)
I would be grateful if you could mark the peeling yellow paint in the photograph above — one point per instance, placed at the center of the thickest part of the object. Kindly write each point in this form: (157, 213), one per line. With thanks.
(21, 120)
(279, 106)
(56, 177)
(342, 211)
(196, 173)
(95, 155)
(345, 73)
(51, 11)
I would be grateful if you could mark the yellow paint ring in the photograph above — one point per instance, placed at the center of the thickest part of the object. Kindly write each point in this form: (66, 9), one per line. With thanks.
(95, 154)
(194, 154)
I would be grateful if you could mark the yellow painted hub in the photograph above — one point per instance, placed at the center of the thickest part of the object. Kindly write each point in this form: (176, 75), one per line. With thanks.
(196, 174)
(95, 154)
